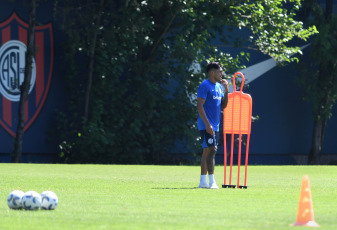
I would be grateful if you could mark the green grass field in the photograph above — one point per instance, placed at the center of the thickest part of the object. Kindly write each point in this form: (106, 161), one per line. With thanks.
(165, 197)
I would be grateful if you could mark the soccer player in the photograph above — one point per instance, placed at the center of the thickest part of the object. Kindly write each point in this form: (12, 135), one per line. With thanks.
(211, 100)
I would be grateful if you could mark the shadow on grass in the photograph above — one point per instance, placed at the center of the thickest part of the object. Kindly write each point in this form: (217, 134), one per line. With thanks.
(177, 188)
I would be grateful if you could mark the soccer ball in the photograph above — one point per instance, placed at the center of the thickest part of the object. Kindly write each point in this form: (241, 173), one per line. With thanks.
(31, 200)
(49, 200)
(14, 199)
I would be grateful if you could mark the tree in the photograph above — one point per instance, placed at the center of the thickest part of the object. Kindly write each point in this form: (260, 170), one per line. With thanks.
(24, 88)
(91, 58)
(141, 83)
(319, 78)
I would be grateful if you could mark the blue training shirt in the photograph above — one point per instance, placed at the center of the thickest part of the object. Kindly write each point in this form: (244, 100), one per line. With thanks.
(212, 93)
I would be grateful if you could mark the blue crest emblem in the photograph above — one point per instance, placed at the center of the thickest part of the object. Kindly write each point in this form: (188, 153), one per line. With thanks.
(13, 40)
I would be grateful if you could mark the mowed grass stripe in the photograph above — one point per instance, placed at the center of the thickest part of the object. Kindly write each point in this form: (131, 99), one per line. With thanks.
(165, 197)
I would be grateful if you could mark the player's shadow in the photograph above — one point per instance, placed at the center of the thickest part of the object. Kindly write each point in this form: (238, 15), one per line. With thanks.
(176, 188)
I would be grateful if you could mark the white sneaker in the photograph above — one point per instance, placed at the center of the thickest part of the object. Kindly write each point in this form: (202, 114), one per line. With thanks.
(213, 186)
(203, 185)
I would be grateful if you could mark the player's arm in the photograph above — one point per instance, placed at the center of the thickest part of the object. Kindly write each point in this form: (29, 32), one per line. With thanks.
(224, 100)
(201, 111)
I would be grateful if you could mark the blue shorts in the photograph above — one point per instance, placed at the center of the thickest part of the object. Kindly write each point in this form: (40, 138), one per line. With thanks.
(209, 140)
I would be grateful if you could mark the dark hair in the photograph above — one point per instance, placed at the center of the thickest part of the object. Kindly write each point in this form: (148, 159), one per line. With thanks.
(212, 65)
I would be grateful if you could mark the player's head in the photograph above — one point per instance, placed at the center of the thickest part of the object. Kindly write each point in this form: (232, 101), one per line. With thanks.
(213, 66)
(214, 71)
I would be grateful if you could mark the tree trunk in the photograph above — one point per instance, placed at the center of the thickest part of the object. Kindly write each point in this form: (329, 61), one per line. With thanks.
(317, 140)
(328, 9)
(319, 124)
(24, 88)
(91, 61)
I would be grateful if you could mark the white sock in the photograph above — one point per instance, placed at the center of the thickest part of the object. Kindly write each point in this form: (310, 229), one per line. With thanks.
(203, 179)
(211, 178)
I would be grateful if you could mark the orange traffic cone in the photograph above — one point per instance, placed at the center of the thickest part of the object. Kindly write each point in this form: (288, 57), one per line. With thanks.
(305, 212)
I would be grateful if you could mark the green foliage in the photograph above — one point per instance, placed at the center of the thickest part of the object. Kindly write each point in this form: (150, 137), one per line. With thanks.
(142, 94)
(319, 76)
(319, 79)
(273, 26)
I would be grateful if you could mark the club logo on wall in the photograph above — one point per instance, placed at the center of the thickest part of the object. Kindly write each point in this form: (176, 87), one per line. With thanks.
(13, 40)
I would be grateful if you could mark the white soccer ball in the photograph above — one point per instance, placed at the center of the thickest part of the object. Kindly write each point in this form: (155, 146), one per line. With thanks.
(31, 200)
(14, 199)
(49, 200)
